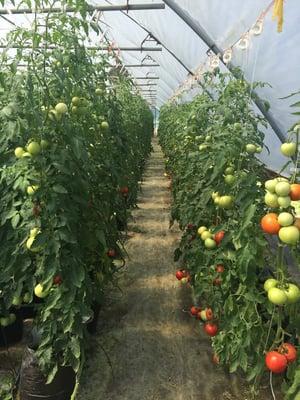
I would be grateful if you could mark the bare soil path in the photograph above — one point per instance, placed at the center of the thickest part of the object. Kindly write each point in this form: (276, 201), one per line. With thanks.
(156, 350)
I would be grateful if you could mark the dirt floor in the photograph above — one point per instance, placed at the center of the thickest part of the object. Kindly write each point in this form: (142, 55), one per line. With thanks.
(156, 350)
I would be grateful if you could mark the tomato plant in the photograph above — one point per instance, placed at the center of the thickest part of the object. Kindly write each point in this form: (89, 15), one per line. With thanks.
(218, 185)
(74, 140)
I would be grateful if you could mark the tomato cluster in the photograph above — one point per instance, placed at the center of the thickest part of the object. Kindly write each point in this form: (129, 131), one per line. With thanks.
(277, 360)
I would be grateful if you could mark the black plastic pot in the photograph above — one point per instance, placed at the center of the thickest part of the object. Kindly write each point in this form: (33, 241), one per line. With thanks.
(33, 383)
(28, 311)
(92, 325)
(13, 333)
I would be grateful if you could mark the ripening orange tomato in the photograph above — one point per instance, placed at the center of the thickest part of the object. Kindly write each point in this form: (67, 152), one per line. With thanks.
(269, 224)
(295, 191)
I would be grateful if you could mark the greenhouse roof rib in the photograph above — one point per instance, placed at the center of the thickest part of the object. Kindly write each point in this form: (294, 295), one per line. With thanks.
(268, 56)
(125, 7)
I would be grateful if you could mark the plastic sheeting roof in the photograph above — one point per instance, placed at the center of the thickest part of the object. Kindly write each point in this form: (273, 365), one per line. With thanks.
(271, 57)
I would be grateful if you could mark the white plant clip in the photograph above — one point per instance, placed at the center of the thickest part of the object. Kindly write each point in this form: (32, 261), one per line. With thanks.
(244, 42)
(227, 56)
(257, 28)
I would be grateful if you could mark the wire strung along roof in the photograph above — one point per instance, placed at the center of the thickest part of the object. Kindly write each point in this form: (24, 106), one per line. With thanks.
(167, 44)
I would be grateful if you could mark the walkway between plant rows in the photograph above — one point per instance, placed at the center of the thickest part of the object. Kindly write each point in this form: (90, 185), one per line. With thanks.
(156, 351)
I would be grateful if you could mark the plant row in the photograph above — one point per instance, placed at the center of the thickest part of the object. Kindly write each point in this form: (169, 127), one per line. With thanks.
(74, 139)
(240, 230)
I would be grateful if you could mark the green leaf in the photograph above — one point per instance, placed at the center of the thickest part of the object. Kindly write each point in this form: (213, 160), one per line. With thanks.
(15, 220)
(75, 347)
(51, 374)
(59, 189)
(297, 104)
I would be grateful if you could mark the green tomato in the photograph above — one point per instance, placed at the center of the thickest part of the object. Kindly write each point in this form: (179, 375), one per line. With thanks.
(19, 151)
(292, 293)
(61, 108)
(39, 291)
(271, 200)
(210, 243)
(208, 138)
(203, 147)
(98, 92)
(270, 185)
(203, 315)
(229, 171)
(285, 219)
(237, 126)
(214, 195)
(34, 148)
(258, 149)
(75, 101)
(250, 148)
(44, 144)
(201, 230)
(74, 110)
(104, 125)
(277, 296)
(217, 200)
(31, 189)
(184, 280)
(226, 202)
(282, 189)
(16, 301)
(54, 115)
(284, 202)
(288, 149)
(26, 155)
(206, 235)
(269, 283)
(289, 235)
(230, 179)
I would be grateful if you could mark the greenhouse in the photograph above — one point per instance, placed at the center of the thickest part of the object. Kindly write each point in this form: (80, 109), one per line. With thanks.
(150, 211)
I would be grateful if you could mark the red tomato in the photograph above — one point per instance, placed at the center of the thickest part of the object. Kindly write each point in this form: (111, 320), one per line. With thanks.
(219, 236)
(210, 328)
(124, 190)
(209, 314)
(269, 224)
(220, 268)
(190, 227)
(179, 274)
(295, 191)
(182, 273)
(57, 280)
(111, 253)
(217, 282)
(289, 351)
(276, 362)
(195, 310)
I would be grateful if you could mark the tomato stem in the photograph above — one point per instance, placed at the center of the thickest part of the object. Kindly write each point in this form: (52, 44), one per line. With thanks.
(280, 275)
(297, 158)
